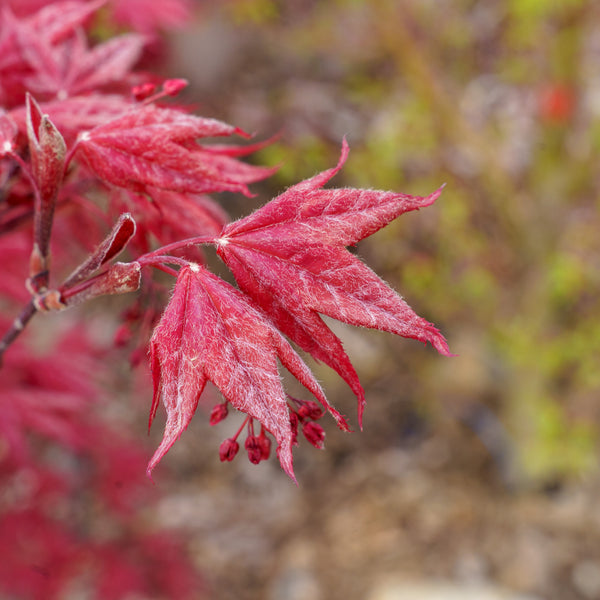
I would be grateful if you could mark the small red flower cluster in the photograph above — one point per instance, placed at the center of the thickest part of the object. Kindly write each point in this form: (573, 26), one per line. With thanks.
(259, 446)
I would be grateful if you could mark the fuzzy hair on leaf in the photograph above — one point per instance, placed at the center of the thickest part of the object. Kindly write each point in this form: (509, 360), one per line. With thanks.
(211, 332)
(289, 256)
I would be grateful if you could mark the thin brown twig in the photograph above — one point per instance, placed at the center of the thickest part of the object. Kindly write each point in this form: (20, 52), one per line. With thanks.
(17, 327)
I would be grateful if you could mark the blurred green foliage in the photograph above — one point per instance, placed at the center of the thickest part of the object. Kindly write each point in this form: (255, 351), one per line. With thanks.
(502, 102)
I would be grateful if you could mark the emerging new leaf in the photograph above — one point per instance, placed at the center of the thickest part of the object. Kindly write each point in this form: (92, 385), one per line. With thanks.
(290, 257)
(47, 56)
(120, 278)
(48, 150)
(211, 332)
(110, 247)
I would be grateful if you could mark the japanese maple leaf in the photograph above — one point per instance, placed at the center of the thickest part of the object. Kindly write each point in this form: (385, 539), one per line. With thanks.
(58, 20)
(53, 23)
(290, 257)
(46, 55)
(71, 68)
(211, 332)
(44, 394)
(76, 114)
(156, 147)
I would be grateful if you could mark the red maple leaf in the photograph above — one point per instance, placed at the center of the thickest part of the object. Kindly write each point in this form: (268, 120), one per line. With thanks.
(290, 257)
(45, 55)
(156, 147)
(71, 68)
(78, 113)
(172, 216)
(211, 332)
(45, 394)
(58, 20)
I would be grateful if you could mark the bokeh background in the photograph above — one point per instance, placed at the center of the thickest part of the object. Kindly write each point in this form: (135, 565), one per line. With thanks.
(476, 476)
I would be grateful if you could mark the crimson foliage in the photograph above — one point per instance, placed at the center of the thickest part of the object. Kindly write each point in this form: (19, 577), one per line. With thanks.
(76, 123)
(289, 258)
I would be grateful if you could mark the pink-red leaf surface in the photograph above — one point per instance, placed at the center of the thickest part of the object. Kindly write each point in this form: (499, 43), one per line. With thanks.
(58, 20)
(48, 55)
(290, 257)
(78, 114)
(172, 216)
(148, 16)
(156, 147)
(211, 332)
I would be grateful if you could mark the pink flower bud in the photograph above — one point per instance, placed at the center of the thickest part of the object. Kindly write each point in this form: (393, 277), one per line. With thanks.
(254, 449)
(265, 445)
(143, 91)
(557, 103)
(228, 449)
(123, 335)
(172, 87)
(136, 357)
(294, 425)
(310, 410)
(315, 434)
(218, 413)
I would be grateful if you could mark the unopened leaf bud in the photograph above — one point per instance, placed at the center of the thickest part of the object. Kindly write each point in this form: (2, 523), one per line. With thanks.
(120, 278)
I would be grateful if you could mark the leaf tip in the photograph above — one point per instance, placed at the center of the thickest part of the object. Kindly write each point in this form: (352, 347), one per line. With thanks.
(438, 341)
(429, 200)
(344, 153)
(362, 402)
(149, 470)
(284, 454)
(242, 133)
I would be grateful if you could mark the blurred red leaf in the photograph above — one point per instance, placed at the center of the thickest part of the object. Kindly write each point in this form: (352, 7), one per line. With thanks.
(557, 103)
